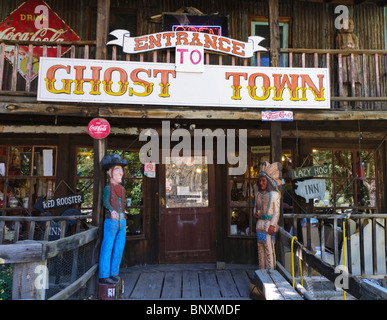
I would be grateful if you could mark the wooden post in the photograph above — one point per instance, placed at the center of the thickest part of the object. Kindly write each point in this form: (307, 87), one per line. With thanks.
(305, 149)
(99, 177)
(99, 181)
(275, 128)
(30, 280)
(103, 12)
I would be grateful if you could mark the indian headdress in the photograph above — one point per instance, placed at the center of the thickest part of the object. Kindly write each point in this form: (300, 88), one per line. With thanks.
(273, 174)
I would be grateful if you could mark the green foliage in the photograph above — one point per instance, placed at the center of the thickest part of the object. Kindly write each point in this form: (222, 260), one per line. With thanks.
(6, 275)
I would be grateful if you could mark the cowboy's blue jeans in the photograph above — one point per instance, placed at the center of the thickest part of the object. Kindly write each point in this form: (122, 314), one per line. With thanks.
(112, 247)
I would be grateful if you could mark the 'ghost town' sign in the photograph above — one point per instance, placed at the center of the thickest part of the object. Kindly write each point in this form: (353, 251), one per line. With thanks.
(306, 172)
(311, 189)
(145, 83)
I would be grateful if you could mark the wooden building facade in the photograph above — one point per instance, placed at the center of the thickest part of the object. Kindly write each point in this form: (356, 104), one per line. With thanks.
(197, 213)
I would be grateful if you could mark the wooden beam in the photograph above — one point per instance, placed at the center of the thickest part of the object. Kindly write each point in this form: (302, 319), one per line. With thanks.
(53, 248)
(30, 251)
(251, 133)
(103, 12)
(48, 109)
(52, 129)
(153, 112)
(21, 252)
(274, 33)
(99, 181)
(275, 127)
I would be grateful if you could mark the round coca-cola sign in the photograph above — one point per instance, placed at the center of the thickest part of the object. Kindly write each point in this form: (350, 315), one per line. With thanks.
(99, 128)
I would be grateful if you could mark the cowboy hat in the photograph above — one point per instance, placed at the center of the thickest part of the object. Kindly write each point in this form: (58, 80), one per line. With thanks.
(112, 160)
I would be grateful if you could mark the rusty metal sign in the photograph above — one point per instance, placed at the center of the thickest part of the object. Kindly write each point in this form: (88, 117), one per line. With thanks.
(34, 20)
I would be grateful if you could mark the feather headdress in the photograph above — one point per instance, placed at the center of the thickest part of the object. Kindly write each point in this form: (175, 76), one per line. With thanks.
(273, 173)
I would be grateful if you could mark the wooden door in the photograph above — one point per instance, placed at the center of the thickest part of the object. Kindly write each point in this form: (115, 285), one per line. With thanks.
(187, 217)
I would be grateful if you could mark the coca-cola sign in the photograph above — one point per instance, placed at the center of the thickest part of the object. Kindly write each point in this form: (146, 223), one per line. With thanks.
(99, 128)
(34, 21)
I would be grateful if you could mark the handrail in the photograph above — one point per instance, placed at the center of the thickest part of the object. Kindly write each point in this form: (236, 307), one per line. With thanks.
(32, 221)
(49, 43)
(336, 216)
(358, 289)
(360, 219)
(333, 51)
(41, 218)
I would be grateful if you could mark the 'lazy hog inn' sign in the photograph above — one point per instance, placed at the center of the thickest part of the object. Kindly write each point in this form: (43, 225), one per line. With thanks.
(126, 82)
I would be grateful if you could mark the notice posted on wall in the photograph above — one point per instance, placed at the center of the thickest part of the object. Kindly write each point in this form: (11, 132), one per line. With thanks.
(47, 162)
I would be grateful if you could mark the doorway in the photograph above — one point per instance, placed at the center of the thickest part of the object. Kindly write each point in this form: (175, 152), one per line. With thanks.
(187, 215)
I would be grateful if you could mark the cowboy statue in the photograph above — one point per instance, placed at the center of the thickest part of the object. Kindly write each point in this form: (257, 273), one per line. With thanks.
(113, 241)
(267, 212)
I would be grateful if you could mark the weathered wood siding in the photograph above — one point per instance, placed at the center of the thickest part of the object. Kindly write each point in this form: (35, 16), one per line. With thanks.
(312, 23)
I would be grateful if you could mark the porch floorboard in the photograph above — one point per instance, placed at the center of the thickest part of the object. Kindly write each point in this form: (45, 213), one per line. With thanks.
(187, 281)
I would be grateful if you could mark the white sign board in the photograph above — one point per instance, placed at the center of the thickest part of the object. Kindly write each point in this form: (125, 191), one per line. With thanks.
(277, 115)
(311, 189)
(150, 170)
(171, 39)
(189, 59)
(127, 82)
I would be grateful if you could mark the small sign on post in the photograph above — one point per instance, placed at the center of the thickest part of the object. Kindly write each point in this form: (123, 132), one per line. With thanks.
(277, 115)
(98, 128)
(53, 203)
(150, 170)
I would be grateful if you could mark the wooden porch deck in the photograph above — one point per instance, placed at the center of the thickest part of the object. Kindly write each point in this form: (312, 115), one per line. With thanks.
(187, 281)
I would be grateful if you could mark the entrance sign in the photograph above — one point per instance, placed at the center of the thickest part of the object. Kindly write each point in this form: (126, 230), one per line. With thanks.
(34, 21)
(171, 39)
(127, 82)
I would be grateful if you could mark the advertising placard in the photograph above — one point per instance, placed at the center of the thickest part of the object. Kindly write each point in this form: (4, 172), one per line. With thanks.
(34, 21)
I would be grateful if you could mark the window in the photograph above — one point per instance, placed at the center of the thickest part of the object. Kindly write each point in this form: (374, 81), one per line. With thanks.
(27, 173)
(344, 192)
(242, 191)
(133, 182)
(241, 195)
(260, 27)
(186, 182)
(84, 179)
(119, 18)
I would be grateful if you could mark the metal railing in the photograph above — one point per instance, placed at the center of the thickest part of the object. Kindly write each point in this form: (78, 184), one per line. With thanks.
(365, 236)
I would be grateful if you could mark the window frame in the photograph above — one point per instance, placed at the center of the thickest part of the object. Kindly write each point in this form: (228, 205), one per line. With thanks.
(30, 178)
(126, 178)
(333, 206)
(284, 22)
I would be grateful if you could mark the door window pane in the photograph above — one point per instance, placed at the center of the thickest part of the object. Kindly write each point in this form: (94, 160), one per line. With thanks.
(240, 221)
(186, 182)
